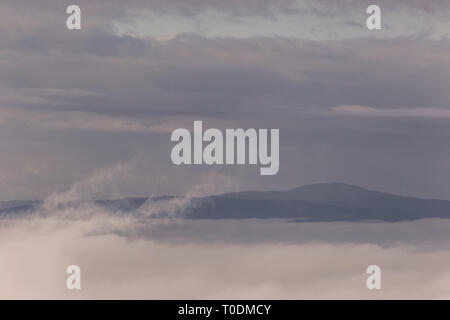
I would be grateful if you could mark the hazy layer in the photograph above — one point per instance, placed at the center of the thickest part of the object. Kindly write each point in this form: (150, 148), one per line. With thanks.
(126, 258)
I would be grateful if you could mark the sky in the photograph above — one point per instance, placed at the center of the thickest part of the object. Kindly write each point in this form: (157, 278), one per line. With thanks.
(370, 108)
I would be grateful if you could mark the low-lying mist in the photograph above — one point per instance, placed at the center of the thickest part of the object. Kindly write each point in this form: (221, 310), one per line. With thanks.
(143, 257)
(124, 257)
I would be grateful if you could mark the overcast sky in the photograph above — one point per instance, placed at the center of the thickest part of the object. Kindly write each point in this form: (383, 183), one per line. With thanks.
(370, 108)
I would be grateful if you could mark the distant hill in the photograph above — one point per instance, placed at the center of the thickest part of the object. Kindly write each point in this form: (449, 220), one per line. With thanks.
(332, 202)
(316, 202)
(325, 193)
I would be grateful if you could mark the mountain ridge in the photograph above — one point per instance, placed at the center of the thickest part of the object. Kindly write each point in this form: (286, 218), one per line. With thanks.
(315, 202)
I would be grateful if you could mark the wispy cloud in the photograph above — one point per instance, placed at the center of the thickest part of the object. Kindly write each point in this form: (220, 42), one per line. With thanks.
(394, 112)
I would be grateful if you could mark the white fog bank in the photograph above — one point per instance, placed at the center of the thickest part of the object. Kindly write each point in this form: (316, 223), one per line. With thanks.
(123, 258)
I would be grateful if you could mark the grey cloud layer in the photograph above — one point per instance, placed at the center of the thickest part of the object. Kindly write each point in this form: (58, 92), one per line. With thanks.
(71, 102)
(194, 75)
(97, 70)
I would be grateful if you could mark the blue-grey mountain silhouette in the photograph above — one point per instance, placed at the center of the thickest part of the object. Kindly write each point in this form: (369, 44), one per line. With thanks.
(316, 202)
